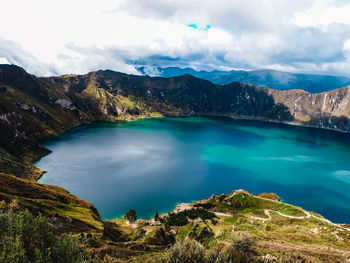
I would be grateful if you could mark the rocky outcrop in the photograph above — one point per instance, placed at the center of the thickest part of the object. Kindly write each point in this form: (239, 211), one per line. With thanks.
(330, 110)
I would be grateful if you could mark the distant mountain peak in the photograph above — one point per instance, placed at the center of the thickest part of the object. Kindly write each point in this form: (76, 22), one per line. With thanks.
(263, 78)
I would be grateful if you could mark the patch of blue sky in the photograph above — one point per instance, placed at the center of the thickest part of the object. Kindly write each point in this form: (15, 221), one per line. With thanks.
(197, 27)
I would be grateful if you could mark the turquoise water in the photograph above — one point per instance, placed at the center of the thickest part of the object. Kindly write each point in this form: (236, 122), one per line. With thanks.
(150, 165)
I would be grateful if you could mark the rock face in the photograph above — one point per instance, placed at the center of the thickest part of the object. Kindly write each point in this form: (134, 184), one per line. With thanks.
(330, 110)
(32, 108)
(187, 95)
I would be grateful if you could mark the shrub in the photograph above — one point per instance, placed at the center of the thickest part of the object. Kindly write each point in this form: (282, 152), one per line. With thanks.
(205, 234)
(191, 251)
(242, 250)
(292, 258)
(161, 238)
(178, 219)
(28, 238)
(131, 215)
(195, 213)
(245, 245)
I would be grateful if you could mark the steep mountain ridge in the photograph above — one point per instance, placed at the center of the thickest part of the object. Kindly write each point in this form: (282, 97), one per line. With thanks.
(265, 78)
(187, 95)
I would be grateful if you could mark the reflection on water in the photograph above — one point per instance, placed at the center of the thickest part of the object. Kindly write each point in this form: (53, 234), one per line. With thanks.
(150, 165)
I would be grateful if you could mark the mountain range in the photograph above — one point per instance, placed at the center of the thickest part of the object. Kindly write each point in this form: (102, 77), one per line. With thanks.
(265, 78)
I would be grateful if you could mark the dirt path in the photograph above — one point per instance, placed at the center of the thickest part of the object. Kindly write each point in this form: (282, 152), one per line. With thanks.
(222, 214)
(307, 215)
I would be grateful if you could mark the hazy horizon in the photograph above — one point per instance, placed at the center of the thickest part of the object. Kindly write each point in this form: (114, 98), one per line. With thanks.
(61, 37)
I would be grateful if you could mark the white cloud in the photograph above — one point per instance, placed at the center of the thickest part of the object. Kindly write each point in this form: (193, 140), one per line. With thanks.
(4, 61)
(58, 37)
(323, 13)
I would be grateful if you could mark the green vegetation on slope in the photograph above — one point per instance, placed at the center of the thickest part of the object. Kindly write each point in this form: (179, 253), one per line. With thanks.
(243, 202)
(277, 230)
(280, 232)
(74, 213)
(28, 238)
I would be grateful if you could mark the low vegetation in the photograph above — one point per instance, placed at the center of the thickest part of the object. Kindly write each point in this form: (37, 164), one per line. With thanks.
(245, 202)
(191, 251)
(181, 218)
(237, 227)
(28, 238)
(51, 201)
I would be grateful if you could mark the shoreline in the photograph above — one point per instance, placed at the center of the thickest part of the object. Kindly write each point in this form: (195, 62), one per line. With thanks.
(144, 118)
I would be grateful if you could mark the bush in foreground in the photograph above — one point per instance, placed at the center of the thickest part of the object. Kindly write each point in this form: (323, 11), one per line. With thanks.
(242, 250)
(191, 251)
(28, 238)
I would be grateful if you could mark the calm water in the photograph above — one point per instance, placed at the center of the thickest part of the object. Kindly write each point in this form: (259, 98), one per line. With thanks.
(152, 164)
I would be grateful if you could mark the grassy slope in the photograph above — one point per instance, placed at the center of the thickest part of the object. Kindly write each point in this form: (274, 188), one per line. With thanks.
(50, 200)
(14, 165)
(313, 238)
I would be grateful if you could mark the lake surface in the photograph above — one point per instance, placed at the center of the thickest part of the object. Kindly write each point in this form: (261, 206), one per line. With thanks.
(150, 165)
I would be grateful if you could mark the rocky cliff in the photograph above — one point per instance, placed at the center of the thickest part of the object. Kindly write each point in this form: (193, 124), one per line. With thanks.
(187, 95)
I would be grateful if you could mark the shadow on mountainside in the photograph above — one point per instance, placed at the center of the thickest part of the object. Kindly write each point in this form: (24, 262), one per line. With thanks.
(187, 95)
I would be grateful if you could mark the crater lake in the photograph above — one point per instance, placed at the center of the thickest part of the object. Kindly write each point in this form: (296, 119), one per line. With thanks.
(152, 164)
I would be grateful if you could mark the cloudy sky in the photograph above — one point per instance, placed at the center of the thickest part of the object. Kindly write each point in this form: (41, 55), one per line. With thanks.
(78, 36)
